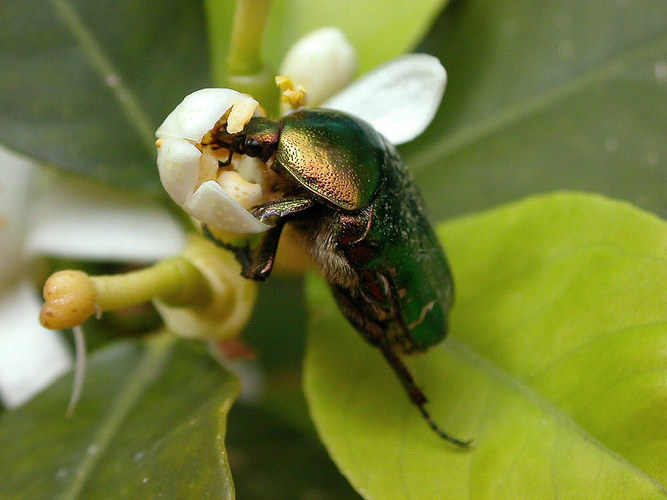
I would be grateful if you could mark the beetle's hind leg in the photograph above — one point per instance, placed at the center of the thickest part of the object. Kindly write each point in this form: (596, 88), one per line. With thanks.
(375, 334)
(417, 396)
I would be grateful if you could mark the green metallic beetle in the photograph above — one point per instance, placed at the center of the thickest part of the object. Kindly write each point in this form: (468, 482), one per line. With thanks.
(348, 193)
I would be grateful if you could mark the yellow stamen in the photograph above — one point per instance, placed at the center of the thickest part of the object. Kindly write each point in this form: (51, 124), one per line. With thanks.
(294, 96)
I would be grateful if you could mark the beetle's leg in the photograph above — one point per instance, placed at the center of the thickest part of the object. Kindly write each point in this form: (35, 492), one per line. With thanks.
(256, 259)
(370, 330)
(375, 334)
(257, 262)
(416, 395)
(282, 208)
(258, 256)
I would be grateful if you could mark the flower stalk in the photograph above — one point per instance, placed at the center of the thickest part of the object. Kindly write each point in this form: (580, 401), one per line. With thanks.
(245, 56)
(243, 69)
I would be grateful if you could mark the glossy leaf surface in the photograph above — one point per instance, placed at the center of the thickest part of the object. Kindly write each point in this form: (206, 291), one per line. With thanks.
(151, 423)
(555, 364)
(545, 95)
(85, 84)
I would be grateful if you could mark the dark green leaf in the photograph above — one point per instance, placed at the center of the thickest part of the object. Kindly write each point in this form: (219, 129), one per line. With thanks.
(85, 84)
(150, 424)
(271, 460)
(556, 364)
(546, 95)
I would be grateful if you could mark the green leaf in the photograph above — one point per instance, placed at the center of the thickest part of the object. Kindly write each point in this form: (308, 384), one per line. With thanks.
(85, 84)
(556, 364)
(150, 423)
(545, 95)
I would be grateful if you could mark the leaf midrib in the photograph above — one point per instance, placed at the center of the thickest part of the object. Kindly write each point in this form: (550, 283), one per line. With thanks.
(523, 109)
(470, 356)
(156, 354)
(109, 74)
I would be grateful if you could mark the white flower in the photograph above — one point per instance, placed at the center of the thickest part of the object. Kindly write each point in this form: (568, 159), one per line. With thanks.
(399, 99)
(189, 169)
(42, 214)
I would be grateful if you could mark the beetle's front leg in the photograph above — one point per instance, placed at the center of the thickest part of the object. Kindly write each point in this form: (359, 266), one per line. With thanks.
(282, 208)
(257, 261)
(258, 256)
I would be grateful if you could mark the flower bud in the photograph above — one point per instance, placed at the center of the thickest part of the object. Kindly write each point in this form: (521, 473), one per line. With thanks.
(322, 62)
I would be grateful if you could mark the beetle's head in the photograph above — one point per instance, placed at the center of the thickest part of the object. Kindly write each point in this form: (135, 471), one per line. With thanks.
(258, 139)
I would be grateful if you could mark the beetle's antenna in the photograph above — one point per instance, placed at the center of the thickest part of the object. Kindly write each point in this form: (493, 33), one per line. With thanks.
(233, 147)
(417, 397)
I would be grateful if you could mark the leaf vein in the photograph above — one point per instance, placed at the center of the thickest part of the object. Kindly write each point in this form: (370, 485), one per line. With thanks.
(530, 106)
(135, 114)
(153, 360)
(467, 354)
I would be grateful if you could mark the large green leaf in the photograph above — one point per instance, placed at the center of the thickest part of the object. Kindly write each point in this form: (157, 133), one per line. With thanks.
(556, 364)
(546, 95)
(84, 84)
(150, 424)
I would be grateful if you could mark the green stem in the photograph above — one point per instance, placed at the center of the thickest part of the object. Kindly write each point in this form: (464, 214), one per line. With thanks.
(245, 47)
(243, 69)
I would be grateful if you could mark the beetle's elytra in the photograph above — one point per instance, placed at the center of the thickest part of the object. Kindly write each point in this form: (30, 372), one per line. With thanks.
(348, 193)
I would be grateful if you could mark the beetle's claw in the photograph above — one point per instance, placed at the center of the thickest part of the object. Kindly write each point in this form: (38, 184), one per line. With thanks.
(431, 423)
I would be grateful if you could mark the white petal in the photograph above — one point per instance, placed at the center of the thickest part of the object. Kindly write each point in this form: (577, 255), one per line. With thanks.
(399, 98)
(31, 357)
(323, 62)
(211, 205)
(16, 178)
(178, 164)
(77, 219)
(198, 113)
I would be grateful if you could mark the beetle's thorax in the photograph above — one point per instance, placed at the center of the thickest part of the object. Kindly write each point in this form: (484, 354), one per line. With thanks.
(336, 157)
